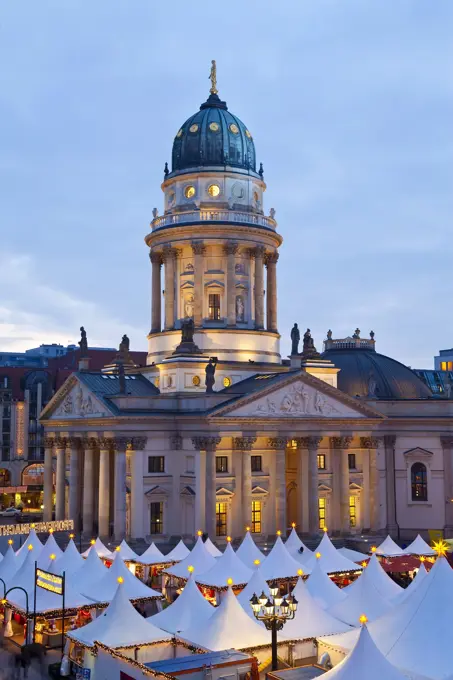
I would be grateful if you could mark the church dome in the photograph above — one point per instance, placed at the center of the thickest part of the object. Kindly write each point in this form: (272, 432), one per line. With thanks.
(213, 137)
(365, 373)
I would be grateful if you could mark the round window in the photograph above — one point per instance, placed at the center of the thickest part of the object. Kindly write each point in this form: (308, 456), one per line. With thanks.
(214, 127)
(234, 129)
(248, 134)
(189, 192)
(214, 190)
(179, 133)
(196, 380)
(193, 128)
(226, 381)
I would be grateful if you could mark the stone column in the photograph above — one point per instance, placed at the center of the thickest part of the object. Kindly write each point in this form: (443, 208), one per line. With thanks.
(48, 478)
(370, 483)
(279, 445)
(119, 521)
(341, 444)
(60, 505)
(209, 445)
(230, 249)
(259, 287)
(302, 487)
(156, 309)
(244, 445)
(89, 445)
(312, 444)
(137, 528)
(271, 295)
(74, 481)
(105, 445)
(199, 250)
(169, 257)
(447, 447)
(389, 444)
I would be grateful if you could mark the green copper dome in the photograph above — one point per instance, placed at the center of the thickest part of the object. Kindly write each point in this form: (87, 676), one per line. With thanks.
(213, 137)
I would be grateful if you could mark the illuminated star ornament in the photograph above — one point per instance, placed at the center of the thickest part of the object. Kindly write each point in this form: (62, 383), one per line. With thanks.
(440, 547)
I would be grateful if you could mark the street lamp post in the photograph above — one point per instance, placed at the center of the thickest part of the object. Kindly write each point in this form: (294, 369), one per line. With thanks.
(274, 612)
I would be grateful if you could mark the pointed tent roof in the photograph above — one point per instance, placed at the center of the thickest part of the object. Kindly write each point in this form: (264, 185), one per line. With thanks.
(227, 566)
(412, 587)
(120, 625)
(1, 557)
(332, 562)
(279, 564)
(211, 548)
(365, 661)
(199, 558)
(152, 555)
(24, 576)
(419, 547)
(104, 589)
(293, 545)
(229, 627)
(353, 555)
(125, 552)
(362, 596)
(9, 565)
(248, 551)
(311, 619)
(100, 549)
(189, 611)
(255, 586)
(389, 548)
(32, 539)
(179, 552)
(49, 548)
(70, 561)
(91, 571)
(374, 574)
(323, 589)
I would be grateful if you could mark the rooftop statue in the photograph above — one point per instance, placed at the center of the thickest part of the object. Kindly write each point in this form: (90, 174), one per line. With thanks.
(210, 375)
(213, 78)
(83, 343)
(295, 339)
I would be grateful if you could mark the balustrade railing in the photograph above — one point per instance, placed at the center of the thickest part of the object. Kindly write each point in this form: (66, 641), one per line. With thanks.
(213, 216)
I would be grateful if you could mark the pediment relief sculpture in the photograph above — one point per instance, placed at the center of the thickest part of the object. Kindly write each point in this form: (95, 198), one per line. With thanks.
(299, 399)
(79, 403)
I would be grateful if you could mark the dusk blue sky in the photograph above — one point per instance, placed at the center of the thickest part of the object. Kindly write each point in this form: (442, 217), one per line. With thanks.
(350, 103)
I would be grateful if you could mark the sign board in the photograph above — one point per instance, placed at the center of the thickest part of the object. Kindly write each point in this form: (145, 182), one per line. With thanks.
(17, 529)
(48, 581)
(13, 489)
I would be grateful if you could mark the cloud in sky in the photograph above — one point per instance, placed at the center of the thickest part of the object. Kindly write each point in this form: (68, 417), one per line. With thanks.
(350, 107)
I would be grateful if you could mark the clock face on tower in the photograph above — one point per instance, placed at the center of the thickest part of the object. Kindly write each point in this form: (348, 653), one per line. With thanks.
(189, 192)
(214, 190)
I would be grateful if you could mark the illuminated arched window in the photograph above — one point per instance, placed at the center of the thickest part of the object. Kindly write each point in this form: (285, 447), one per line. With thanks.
(419, 482)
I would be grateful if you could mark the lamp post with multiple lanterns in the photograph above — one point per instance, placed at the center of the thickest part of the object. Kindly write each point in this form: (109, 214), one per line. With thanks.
(274, 612)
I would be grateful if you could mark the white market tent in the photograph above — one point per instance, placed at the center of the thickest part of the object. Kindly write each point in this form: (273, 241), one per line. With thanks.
(353, 555)
(255, 586)
(189, 611)
(293, 544)
(229, 627)
(227, 566)
(419, 547)
(211, 548)
(125, 552)
(70, 561)
(90, 572)
(416, 635)
(104, 589)
(199, 558)
(331, 561)
(1, 557)
(279, 564)
(248, 551)
(389, 548)
(152, 555)
(49, 548)
(33, 540)
(375, 575)
(120, 625)
(323, 589)
(412, 587)
(100, 549)
(9, 565)
(365, 661)
(179, 553)
(311, 620)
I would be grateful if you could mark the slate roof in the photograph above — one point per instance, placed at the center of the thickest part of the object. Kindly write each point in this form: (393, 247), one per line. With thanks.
(107, 385)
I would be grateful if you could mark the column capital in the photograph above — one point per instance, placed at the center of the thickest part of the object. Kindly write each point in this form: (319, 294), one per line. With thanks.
(340, 442)
(176, 442)
(155, 257)
(277, 442)
(198, 247)
(389, 440)
(206, 443)
(138, 443)
(230, 248)
(446, 441)
(73, 442)
(258, 251)
(370, 442)
(271, 258)
(49, 442)
(60, 442)
(90, 442)
(105, 443)
(121, 443)
(168, 253)
(309, 443)
(243, 443)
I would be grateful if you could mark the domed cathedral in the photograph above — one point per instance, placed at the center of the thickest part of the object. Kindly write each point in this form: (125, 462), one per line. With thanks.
(217, 432)
(218, 249)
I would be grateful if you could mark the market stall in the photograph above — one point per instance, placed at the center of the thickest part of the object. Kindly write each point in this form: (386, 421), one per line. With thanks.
(296, 547)
(200, 560)
(189, 611)
(279, 566)
(332, 562)
(256, 585)
(100, 549)
(249, 552)
(228, 570)
(323, 589)
(70, 561)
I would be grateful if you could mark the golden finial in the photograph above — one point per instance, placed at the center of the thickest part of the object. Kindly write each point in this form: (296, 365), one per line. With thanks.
(213, 78)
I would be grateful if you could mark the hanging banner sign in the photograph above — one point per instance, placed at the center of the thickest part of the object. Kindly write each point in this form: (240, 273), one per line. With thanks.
(17, 529)
(48, 581)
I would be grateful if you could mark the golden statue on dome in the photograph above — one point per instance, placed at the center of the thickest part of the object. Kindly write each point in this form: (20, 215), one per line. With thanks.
(213, 77)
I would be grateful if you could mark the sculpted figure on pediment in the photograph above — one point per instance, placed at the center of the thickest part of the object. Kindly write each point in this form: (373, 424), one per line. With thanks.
(79, 406)
(298, 400)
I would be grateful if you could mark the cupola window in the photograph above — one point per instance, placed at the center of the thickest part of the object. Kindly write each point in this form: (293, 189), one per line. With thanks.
(193, 128)
(234, 129)
(214, 127)
(214, 190)
(189, 192)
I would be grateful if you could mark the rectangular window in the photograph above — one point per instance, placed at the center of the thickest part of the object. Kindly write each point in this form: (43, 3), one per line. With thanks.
(214, 307)
(351, 461)
(257, 463)
(321, 461)
(156, 464)
(221, 463)
(190, 464)
(322, 512)
(221, 519)
(157, 511)
(352, 512)
(256, 517)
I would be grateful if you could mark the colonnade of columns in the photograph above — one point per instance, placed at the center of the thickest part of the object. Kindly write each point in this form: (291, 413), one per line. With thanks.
(97, 482)
(169, 255)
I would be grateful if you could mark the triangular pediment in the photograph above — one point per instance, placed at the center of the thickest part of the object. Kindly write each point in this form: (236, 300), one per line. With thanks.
(224, 492)
(418, 452)
(299, 396)
(74, 401)
(259, 491)
(156, 491)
